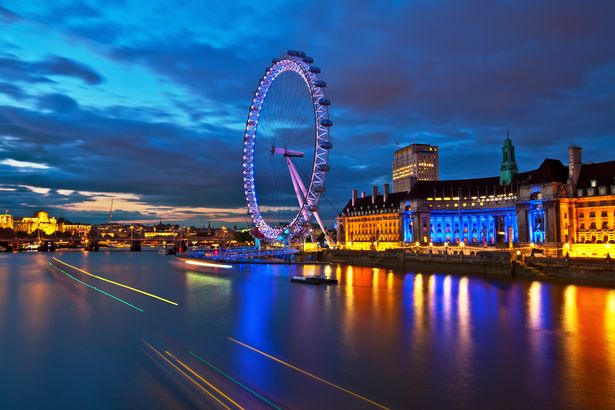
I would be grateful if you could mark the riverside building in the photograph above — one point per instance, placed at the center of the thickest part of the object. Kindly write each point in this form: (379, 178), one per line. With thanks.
(570, 208)
(588, 212)
(416, 162)
(40, 220)
(6, 220)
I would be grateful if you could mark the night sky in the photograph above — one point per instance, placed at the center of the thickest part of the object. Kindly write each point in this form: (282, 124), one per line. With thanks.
(146, 102)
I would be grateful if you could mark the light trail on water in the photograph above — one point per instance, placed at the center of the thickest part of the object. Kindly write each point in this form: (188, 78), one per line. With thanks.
(117, 283)
(313, 376)
(187, 376)
(231, 378)
(208, 264)
(198, 376)
(95, 288)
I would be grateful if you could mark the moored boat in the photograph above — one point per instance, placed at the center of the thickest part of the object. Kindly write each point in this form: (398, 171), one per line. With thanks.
(314, 280)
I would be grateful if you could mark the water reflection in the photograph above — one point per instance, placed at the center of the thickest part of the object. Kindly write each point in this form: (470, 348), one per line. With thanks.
(390, 278)
(570, 321)
(419, 304)
(609, 330)
(409, 339)
(534, 305)
(465, 324)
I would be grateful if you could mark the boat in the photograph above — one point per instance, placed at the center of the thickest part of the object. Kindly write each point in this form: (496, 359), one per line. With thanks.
(314, 280)
(199, 265)
(167, 251)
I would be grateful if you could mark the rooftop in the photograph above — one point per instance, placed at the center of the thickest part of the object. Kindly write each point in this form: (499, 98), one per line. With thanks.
(602, 172)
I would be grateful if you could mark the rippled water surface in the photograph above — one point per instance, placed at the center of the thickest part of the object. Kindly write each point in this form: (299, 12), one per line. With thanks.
(396, 339)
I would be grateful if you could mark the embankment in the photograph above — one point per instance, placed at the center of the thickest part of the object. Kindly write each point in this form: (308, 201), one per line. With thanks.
(501, 263)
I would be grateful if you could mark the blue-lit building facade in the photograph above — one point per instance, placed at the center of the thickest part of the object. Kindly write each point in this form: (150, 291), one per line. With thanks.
(500, 210)
(440, 212)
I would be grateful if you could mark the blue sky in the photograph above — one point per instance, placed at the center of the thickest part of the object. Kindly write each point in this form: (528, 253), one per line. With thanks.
(145, 103)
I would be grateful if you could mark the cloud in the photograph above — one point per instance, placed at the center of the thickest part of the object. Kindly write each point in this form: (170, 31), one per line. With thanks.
(8, 16)
(14, 69)
(58, 102)
(12, 91)
(23, 164)
(37, 190)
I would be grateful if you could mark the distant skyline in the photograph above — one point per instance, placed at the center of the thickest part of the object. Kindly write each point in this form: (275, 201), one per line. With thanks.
(145, 103)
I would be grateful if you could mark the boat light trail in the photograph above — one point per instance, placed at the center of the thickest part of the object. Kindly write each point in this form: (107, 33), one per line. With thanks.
(313, 376)
(208, 264)
(95, 288)
(185, 366)
(185, 375)
(117, 283)
(234, 380)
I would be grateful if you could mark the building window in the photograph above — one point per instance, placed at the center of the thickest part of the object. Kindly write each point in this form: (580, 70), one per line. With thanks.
(602, 190)
(592, 214)
(536, 195)
(592, 183)
(580, 192)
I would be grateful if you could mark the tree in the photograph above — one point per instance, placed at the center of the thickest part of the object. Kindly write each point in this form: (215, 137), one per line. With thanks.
(243, 236)
(7, 233)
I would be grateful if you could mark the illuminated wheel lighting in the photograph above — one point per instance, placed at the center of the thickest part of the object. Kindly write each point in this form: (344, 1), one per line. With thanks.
(298, 63)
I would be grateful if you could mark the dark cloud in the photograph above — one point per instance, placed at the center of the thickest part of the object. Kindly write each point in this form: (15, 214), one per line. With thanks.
(8, 16)
(58, 103)
(61, 66)
(206, 70)
(12, 90)
(14, 69)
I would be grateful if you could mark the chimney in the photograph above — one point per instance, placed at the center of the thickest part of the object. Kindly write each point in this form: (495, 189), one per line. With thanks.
(387, 188)
(374, 193)
(363, 194)
(354, 197)
(574, 167)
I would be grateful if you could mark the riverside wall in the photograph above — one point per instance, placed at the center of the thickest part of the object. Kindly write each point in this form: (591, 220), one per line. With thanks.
(501, 263)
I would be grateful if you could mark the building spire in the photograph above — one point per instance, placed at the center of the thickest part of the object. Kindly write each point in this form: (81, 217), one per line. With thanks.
(508, 168)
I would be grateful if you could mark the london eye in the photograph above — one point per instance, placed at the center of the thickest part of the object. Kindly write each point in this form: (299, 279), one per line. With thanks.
(286, 150)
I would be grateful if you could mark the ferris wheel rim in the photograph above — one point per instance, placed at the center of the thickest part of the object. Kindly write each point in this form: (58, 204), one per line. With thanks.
(300, 64)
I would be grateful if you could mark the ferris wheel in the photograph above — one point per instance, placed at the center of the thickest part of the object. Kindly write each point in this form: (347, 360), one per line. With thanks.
(291, 142)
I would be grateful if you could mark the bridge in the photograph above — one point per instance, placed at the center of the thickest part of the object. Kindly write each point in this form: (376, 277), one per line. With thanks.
(94, 243)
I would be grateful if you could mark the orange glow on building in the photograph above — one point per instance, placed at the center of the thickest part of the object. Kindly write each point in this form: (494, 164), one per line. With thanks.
(588, 225)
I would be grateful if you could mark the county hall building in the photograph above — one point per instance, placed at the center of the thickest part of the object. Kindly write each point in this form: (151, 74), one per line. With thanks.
(571, 208)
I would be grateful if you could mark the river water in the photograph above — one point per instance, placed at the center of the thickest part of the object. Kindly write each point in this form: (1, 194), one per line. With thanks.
(381, 337)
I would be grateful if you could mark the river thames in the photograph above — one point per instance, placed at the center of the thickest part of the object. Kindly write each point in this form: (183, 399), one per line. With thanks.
(379, 338)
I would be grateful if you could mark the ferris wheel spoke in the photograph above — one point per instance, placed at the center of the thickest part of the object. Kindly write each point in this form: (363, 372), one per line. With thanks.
(297, 184)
